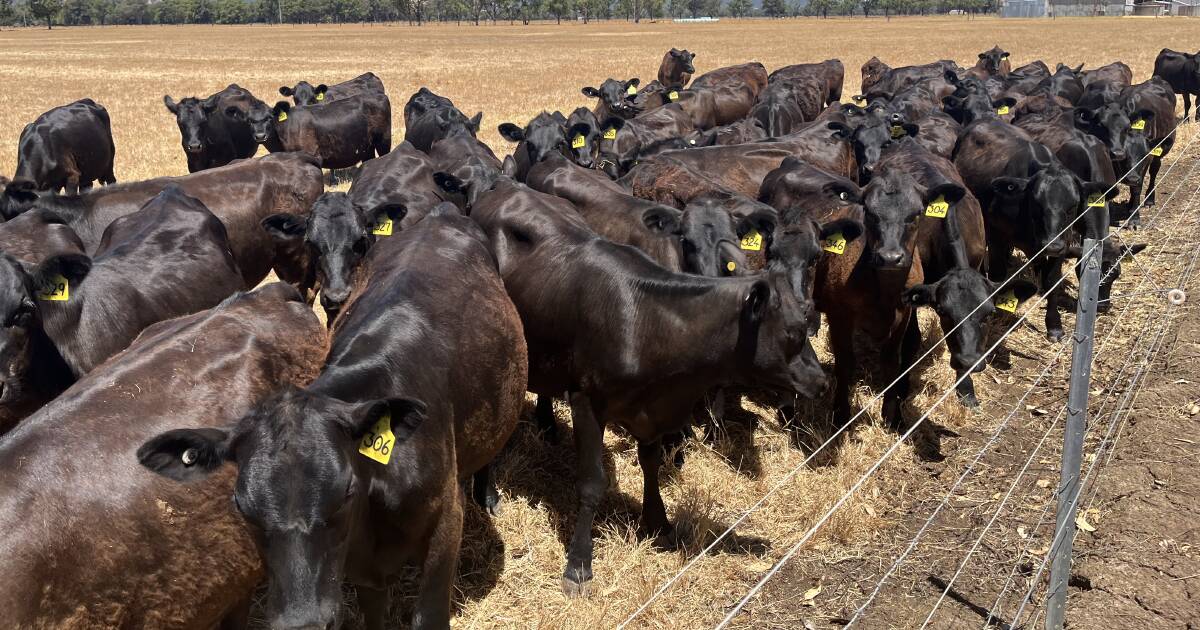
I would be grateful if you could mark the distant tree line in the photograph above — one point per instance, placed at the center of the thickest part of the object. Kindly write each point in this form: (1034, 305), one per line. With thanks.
(101, 12)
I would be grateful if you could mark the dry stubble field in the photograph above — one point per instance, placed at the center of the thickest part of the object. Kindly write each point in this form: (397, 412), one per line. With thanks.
(510, 567)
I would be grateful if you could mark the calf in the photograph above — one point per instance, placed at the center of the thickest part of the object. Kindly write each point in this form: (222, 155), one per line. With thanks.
(1182, 71)
(778, 111)
(567, 284)
(741, 132)
(733, 90)
(676, 68)
(214, 131)
(472, 163)
(68, 148)
(878, 76)
(1117, 72)
(992, 63)
(429, 117)
(158, 553)
(401, 179)
(1064, 84)
(829, 73)
(624, 142)
(1157, 97)
(545, 135)
(439, 395)
(71, 312)
(614, 98)
(303, 93)
(340, 134)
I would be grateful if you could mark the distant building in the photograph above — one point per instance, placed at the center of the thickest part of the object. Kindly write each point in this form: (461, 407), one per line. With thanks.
(1067, 8)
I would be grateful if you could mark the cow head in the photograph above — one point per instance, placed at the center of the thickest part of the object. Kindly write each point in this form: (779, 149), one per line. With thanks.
(993, 61)
(583, 137)
(337, 234)
(774, 331)
(797, 247)
(546, 134)
(709, 238)
(304, 93)
(1043, 205)
(261, 118)
(302, 482)
(893, 204)
(19, 195)
(970, 105)
(614, 163)
(1113, 125)
(876, 131)
(683, 60)
(617, 96)
(23, 309)
(422, 101)
(873, 71)
(191, 114)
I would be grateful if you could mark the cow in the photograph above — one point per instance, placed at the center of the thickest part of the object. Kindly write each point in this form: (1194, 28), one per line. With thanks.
(624, 142)
(387, 432)
(473, 165)
(585, 145)
(340, 134)
(992, 63)
(429, 117)
(159, 554)
(544, 135)
(567, 283)
(777, 110)
(66, 148)
(338, 233)
(724, 95)
(1117, 72)
(614, 98)
(1182, 71)
(1064, 84)
(214, 131)
(878, 76)
(676, 68)
(241, 194)
(70, 312)
(1157, 97)
(401, 179)
(36, 235)
(303, 93)
(829, 73)
(741, 132)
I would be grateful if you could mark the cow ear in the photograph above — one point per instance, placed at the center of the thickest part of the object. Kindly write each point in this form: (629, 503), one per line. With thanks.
(662, 219)
(1144, 114)
(285, 226)
(1010, 186)
(1004, 55)
(848, 228)
(282, 107)
(509, 167)
(911, 129)
(172, 106)
(839, 130)
(982, 55)
(73, 267)
(1096, 188)
(511, 132)
(1023, 289)
(634, 82)
(754, 306)
(322, 89)
(949, 191)
(613, 122)
(920, 295)
(580, 129)
(762, 221)
(186, 454)
(951, 77)
(591, 92)
(449, 183)
(209, 105)
(394, 211)
(285, 90)
(475, 121)
(1006, 101)
(405, 416)
(1132, 250)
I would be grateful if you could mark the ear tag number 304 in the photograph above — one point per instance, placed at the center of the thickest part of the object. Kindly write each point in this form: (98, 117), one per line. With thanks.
(835, 244)
(937, 208)
(752, 241)
(578, 142)
(1007, 301)
(383, 226)
(378, 442)
(58, 291)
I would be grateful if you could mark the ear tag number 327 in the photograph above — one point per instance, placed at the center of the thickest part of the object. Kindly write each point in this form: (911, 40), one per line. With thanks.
(835, 244)
(752, 241)
(383, 226)
(58, 291)
(378, 442)
(1007, 301)
(937, 208)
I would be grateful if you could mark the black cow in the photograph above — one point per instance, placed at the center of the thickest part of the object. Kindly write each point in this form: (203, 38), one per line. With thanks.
(340, 134)
(1182, 71)
(68, 147)
(615, 98)
(305, 94)
(379, 443)
(71, 312)
(777, 110)
(1156, 96)
(214, 131)
(429, 117)
(545, 135)
(403, 178)
(676, 68)
(36, 235)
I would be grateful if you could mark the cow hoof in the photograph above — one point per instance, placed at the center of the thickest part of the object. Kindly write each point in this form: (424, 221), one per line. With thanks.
(1055, 335)
(494, 507)
(576, 588)
(969, 401)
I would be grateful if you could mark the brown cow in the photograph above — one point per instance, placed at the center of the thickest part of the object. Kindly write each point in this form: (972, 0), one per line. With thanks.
(1116, 72)
(403, 177)
(158, 554)
(340, 134)
(829, 73)
(676, 68)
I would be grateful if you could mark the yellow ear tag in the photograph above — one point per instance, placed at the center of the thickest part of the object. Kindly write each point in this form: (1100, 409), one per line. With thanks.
(730, 266)
(860, 98)
(673, 95)
(320, 96)
(578, 142)
(1002, 110)
(378, 442)
(938, 208)
(1096, 201)
(897, 132)
(383, 226)
(282, 116)
(1007, 301)
(610, 133)
(835, 244)
(752, 241)
(58, 291)
(1138, 125)
(631, 90)
(1156, 151)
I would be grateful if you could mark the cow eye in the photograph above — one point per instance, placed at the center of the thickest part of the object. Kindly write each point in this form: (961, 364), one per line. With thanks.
(361, 246)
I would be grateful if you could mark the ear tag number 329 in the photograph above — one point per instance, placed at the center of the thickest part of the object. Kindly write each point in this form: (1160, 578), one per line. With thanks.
(835, 244)
(937, 208)
(383, 226)
(752, 241)
(58, 291)
(1007, 301)
(378, 442)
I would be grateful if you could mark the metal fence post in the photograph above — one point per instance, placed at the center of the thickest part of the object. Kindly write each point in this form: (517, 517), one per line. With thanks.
(1077, 400)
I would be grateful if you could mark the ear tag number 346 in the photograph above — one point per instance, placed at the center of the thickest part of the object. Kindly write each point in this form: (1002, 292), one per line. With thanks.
(378, 442)
(835, 244)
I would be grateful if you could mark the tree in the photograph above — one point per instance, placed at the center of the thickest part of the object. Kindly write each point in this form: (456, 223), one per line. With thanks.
(45, 10)
(739, 8)
(774, 8)
(558, 8)
(6, 12)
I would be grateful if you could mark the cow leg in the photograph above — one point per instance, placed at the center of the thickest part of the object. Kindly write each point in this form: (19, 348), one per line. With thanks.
(71, 188)
(966, 390)
(109, 177)
(896, 357)
(382, 143)
(374, 604)
(1187, 105)
(1135, 199)
(483, 490)
(590, 483)
(841, 337)
(998, 253)
(654, 513)
(543, 414)
(1051, 272)
(441, 563)
(1152, 188)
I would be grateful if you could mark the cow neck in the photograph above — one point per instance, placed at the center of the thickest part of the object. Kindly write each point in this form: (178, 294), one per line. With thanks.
(59, 326)
(49, 371)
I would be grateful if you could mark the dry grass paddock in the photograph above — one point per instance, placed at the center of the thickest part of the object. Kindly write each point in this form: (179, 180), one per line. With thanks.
(509, 575)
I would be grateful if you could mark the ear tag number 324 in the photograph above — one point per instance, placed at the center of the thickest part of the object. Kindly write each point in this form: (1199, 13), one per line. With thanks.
(937, 208)
(752, 241)
(378, 442)
(58, 291)
(1007, 301)
(835, 244)
(383, 226)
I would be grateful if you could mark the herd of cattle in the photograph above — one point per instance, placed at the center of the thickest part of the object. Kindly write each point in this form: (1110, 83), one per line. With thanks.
(679, 237)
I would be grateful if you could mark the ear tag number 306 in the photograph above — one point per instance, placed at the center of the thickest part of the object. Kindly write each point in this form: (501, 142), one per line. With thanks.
(1007, 301)
(58, 291)
(835, 244)
(383, 226)
(752, 241)
(378, 442)
(937, 208)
